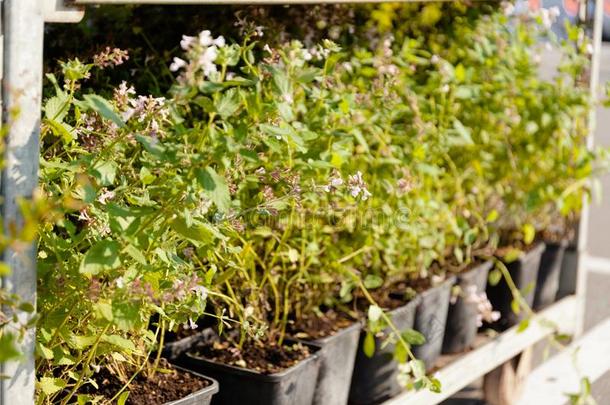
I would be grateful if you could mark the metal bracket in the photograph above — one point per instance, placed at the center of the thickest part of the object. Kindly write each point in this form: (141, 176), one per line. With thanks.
(56, 11)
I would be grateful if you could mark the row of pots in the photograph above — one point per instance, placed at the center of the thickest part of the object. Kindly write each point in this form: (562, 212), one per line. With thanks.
(339, 372)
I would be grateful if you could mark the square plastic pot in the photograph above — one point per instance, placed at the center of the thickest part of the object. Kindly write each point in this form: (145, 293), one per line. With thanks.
(430, 321)
(547, 284)
(201, 397)
(337, 356)
(293, 386)
(524, 272)
(461, 328)
(374, 378)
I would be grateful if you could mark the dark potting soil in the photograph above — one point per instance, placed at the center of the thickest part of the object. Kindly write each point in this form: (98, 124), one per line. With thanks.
(265, 358)
(311, 327)
(168, 384)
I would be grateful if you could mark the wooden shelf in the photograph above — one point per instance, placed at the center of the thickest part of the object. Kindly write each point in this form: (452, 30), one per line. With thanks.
(457, 371)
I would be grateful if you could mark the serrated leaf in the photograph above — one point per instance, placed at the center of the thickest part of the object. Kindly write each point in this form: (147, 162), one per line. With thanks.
(104, 108)
(50, 385)
(104, 255)
(152, 146)
(368, 346)
(125, 315)
(216, 188)
(105, 172)
(103, 310)
(228, 103)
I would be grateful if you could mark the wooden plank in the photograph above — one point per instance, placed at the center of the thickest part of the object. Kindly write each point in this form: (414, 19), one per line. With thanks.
(56, 11)
(23, 29)
(461, 370)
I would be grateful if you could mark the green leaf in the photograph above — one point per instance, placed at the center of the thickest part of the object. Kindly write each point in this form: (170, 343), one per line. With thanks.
(125, 315)
(511, 255)
(103, 310)
(81, 342)
(372, 281)
(56, 108)
(413, 337)
(122, 399)
(120, 342)
(400, 353)
(216, 188)
(492, 216)
(105, 172)
(368, 346)
(104, 255)
(50, 385)
(495, 276)
(152, 146)
(8, 347)
(136, 254)
(228, 103)
(104, 108)
(43, 351)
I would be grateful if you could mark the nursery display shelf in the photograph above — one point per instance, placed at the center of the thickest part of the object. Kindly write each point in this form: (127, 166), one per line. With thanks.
(456, 371)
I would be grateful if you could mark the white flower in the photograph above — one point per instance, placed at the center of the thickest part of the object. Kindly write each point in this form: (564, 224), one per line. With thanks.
(106, 195)
(206, 61)
(190, 325)
(177, 64)
(434, 59)
(187, 42)
(220, 41)
(267, 48)
(120, 282)
(205, 38)
(357, 186)
(201, 291)
(554, 12)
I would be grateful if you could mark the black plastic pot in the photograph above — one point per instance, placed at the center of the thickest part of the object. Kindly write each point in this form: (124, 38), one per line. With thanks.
(293, 386)
(461, 328)
(374, 379)
(430, 321)
(337, 356)
(567, 279)
(201, 397)
(547, 284)
(524, 272)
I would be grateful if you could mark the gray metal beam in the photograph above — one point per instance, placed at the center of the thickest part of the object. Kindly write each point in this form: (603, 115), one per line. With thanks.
(23, 28)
